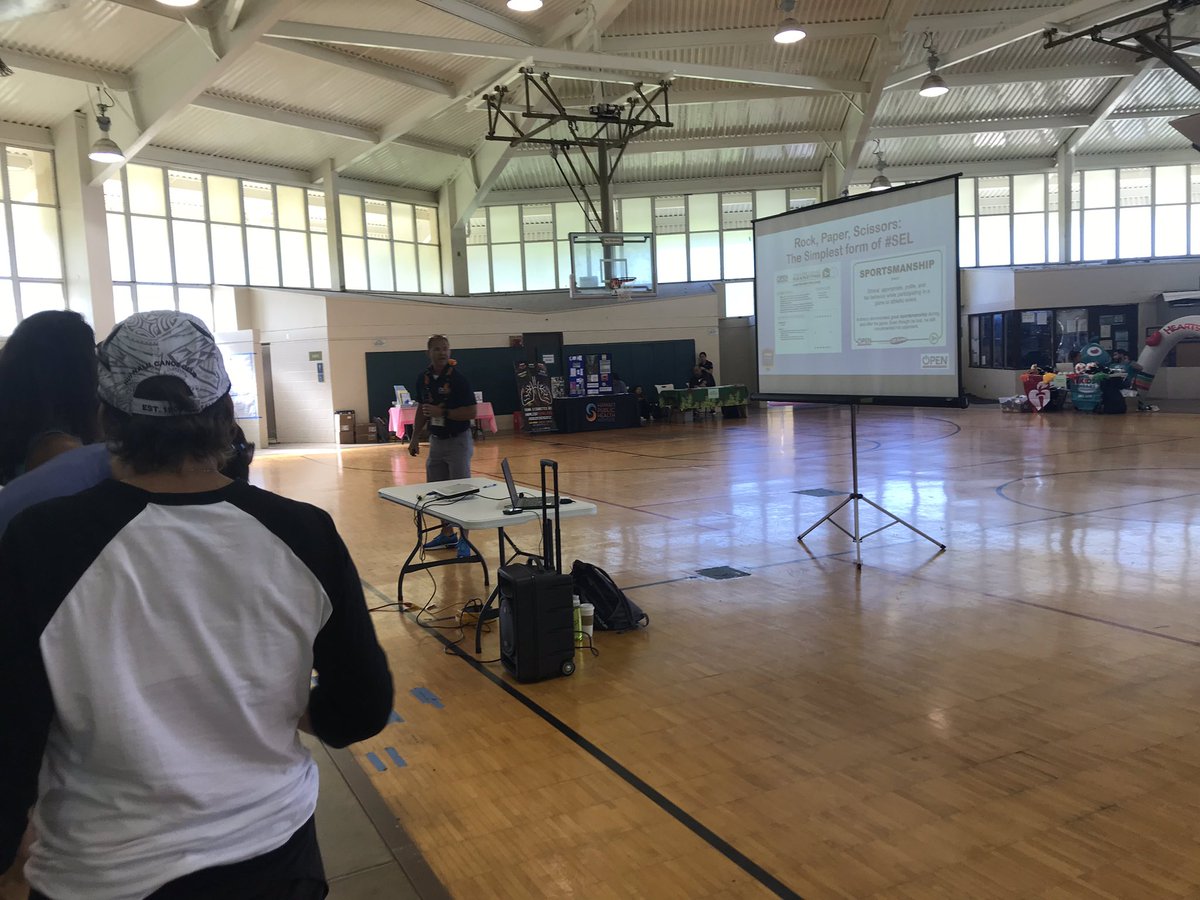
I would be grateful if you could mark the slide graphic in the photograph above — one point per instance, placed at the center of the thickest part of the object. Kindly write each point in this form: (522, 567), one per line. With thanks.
(900, 300)
(808, 310)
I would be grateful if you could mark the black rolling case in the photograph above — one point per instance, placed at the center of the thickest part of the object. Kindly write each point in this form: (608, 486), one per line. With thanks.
(537, 618)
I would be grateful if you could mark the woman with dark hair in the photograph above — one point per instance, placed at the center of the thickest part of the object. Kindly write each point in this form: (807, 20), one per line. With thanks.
(163, 628)
(47, 390)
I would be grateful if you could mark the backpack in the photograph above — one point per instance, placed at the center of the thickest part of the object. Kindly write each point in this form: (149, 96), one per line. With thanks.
(614, 611)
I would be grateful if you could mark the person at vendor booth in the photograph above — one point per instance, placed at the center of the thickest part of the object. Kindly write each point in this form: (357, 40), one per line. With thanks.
(705, 363)
(701, 378)
(447, 406)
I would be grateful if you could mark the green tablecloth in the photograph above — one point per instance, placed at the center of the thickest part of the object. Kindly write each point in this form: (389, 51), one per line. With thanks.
(684, 399)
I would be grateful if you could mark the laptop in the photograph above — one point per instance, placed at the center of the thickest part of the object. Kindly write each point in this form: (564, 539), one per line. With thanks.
(453, 491)
(517, 502)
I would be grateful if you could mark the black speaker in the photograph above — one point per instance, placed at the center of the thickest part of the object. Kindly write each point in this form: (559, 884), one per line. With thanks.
(537, 622)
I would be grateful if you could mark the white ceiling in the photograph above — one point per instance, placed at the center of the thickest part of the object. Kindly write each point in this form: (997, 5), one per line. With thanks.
(389, 89)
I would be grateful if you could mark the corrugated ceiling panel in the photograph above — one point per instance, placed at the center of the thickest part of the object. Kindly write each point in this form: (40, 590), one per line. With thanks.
(1133, 136)
(550, 14)
(403, 165)
(453, 69)
(667, 16)
(905, 106)
(237, 137)
(91, 32)
(405, 17)
(275, 77)
(944, 7)
(1029, 53)
(459, 127)
(1162, 89)
(953, 148)
(828, 58)
(811, 112)
(32, 99)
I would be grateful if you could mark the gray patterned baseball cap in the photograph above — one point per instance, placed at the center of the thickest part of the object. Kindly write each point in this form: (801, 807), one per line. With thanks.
(161, 343)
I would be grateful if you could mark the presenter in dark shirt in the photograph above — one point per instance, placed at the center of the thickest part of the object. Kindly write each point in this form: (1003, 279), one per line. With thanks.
(447, 404)
(705, 363)
(701, 378)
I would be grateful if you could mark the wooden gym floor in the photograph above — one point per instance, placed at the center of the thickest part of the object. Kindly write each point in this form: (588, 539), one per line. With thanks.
(1018, 716)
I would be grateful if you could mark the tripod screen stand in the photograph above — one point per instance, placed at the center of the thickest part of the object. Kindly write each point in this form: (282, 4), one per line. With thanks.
(854, 498)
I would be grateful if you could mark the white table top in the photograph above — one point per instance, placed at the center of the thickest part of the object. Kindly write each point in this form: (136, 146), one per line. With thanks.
(482, 510)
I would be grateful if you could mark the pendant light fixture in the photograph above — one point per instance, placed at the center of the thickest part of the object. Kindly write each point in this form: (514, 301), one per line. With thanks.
(524, 5)
(880, 182)
(105, 150)
(789, 30)
(933, 85)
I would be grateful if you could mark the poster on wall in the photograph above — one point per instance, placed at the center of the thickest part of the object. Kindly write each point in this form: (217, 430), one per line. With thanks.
(537, 397)
(243, 388)
(576, 382)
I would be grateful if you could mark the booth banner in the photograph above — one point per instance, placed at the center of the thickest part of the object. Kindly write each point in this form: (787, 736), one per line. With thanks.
(537, 397)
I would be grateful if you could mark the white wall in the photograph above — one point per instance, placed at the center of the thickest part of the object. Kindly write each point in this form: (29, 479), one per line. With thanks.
(247, 342)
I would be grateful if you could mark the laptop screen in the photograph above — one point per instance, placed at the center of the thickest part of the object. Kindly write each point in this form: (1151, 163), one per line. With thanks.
(512, 488)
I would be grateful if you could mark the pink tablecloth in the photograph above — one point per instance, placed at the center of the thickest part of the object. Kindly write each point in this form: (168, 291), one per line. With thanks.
(399, 416)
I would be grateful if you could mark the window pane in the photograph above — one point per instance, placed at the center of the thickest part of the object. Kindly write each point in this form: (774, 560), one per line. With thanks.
(506, 267)
(351, 212)
(966, 197)
(739, 254)
(320, 261)
(38, 296)
(354, 261)
(229, 259)
(1135, 187)
(191, 252)
(537, 222)
(994, 197)
(702, 212)
(1052, 239)
(35, 229)
(1170, 231)
(705, 255)
(378, 219)
(258, 201)
(1075, 236)
(122, 301)
(263, 257)
(737, 210)
(504, 224)
(145, 190)
(291, 208)
(769, 203)
(316, 212)
(477, 227)
(1135, 232)
(669, 217)
(427, 230)
(672, 258)
(31, 176)
(224, 200)
(151, 250)
(1029, 193)
(118, 249)
(966, 243)
(1195, 229)
(1170, 184)
(1100, 188)
(155, 296)
(798, 198)
(1052, 191)
(564, 264)
(186, 195)
(402, 222)
(568, 218)
(479, 269)
(539, 266)
(1100, 234)
(379, 265)
(430, 260)
(405, 256)
(635, 216)
(1029, 238)
(293, 252)
(197, 302)
(8, 308)
(994, 235)
(5, 260)
(739, 299)
(114, 195)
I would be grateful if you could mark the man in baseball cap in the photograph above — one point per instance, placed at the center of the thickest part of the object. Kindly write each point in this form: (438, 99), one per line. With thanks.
(160, 630)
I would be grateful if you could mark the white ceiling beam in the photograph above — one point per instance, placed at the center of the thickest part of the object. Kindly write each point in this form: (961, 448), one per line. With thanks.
(233, 12)
(366, 66)
(219, 165)
(891, 132)
(1026, 76)
(723, 142)
(181, 68)
(1113, 97)
(285, 117)
(1031, 25)
(1152, 114)
(484, 18)
(19, 60)
(585, 27)
(27, 135)
(419, 43)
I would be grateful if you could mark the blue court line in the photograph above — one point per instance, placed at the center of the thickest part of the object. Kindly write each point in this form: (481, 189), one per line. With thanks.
(427, 696)
(376, 762)
(394, 717)
(395, 757)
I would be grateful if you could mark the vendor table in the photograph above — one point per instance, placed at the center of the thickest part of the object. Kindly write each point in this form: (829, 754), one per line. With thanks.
(596, 413)
(722, 395)
(401, 416)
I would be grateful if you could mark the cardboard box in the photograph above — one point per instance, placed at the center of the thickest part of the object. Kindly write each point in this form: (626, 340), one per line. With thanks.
(343, 424)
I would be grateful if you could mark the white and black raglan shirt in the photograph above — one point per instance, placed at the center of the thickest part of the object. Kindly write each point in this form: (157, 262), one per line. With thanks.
(156, 653)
